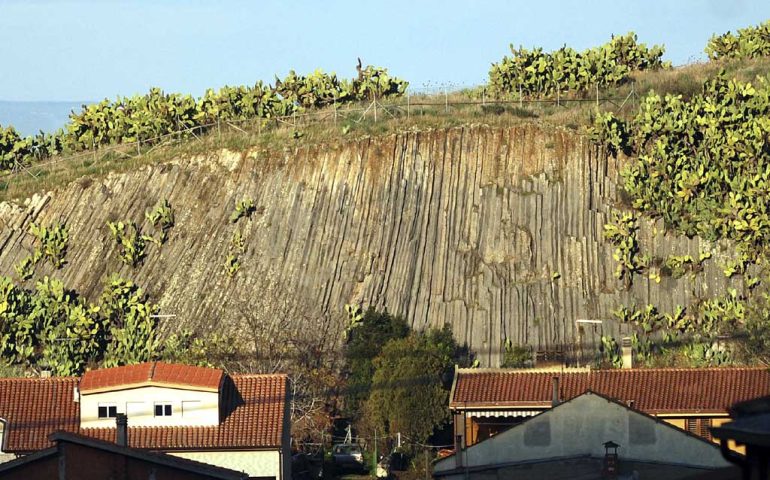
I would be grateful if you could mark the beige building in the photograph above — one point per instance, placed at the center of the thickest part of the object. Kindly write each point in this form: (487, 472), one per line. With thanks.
(485, 402)
(239, 422)
(571, 441)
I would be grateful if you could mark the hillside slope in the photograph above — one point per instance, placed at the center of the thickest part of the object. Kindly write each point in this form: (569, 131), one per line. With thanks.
(496, 231)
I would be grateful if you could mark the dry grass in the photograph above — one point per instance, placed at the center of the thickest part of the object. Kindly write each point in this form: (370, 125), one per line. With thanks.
(423, 112)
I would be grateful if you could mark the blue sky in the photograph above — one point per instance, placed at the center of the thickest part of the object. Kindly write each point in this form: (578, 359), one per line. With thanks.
(88, 50)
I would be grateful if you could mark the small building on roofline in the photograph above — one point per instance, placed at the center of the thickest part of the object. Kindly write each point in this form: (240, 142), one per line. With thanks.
(239, 422)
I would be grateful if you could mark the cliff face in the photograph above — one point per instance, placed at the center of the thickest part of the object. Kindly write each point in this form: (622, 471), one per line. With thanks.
(466, 226)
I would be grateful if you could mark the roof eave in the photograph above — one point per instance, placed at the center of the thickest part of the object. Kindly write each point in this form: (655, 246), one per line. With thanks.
(151, 383)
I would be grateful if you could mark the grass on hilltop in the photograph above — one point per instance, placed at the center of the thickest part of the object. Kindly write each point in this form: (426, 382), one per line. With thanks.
(419, 112)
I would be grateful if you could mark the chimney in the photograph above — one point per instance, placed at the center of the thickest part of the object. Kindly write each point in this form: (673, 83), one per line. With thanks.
(555, 397)
(121, 434)
(627, 352)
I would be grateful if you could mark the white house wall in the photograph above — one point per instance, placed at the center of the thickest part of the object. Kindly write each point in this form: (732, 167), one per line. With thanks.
(255, 464)
(190, 407)
(4, 457)
(581, 427)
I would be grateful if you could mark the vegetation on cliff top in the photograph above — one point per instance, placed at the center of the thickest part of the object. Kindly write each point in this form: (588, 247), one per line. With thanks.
(148, 119)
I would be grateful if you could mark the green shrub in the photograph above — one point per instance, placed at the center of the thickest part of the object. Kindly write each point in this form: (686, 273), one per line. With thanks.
(515, 356)
(535, 73)
(749, 42)
(54, 241)
(130, 241)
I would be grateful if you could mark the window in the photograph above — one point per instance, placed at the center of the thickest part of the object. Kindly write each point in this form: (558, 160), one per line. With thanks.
(699, 426)
(691, 425)
(108, 410)
(705, 425)
(163, 410)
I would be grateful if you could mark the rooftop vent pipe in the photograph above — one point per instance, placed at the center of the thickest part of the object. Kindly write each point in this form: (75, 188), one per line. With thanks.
(627, 352)
(555, 396)
(121, 434)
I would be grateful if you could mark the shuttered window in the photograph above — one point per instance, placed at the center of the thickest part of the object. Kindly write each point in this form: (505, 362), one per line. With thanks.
(699, 426)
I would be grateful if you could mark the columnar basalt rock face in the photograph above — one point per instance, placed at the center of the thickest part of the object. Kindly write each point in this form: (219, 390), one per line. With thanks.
(497, 232)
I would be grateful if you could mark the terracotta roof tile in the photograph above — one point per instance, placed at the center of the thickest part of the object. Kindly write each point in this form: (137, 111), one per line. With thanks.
(151, 373)
(656, 391)
(255, 406)
(33, 408)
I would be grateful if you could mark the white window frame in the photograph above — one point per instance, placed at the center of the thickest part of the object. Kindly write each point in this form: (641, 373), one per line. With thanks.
(164, 405)
(106, 405)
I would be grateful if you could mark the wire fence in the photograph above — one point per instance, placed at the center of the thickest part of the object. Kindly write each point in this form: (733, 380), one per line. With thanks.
(437, 100)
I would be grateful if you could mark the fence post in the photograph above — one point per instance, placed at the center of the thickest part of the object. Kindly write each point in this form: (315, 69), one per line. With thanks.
(446, 101)
(597, 95)
(407, 104)
(558, 100)
(521, 101)
(375, 107)
(335, 111)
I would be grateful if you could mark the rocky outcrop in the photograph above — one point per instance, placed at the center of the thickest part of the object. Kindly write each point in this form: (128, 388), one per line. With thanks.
(496, 231)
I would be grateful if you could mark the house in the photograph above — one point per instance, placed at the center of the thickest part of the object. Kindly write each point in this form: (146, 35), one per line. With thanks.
(240, 422)
(485, 402)
(750, 427)
(79, 457)
(589, 436)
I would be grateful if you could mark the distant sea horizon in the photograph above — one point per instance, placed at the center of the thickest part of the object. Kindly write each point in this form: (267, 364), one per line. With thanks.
(29, 118)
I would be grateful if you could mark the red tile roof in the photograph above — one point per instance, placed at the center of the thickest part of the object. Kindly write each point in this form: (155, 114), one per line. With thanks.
(155, 373)
(654, 391)
(33, 408)
(255, 407)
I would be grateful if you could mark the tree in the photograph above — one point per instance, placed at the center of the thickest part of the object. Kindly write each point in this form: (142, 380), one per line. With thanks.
(283, 331)
(53, 328)
(16, 325)
(410, 387)
(128, 317)
(366, 342)
(69, 332)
